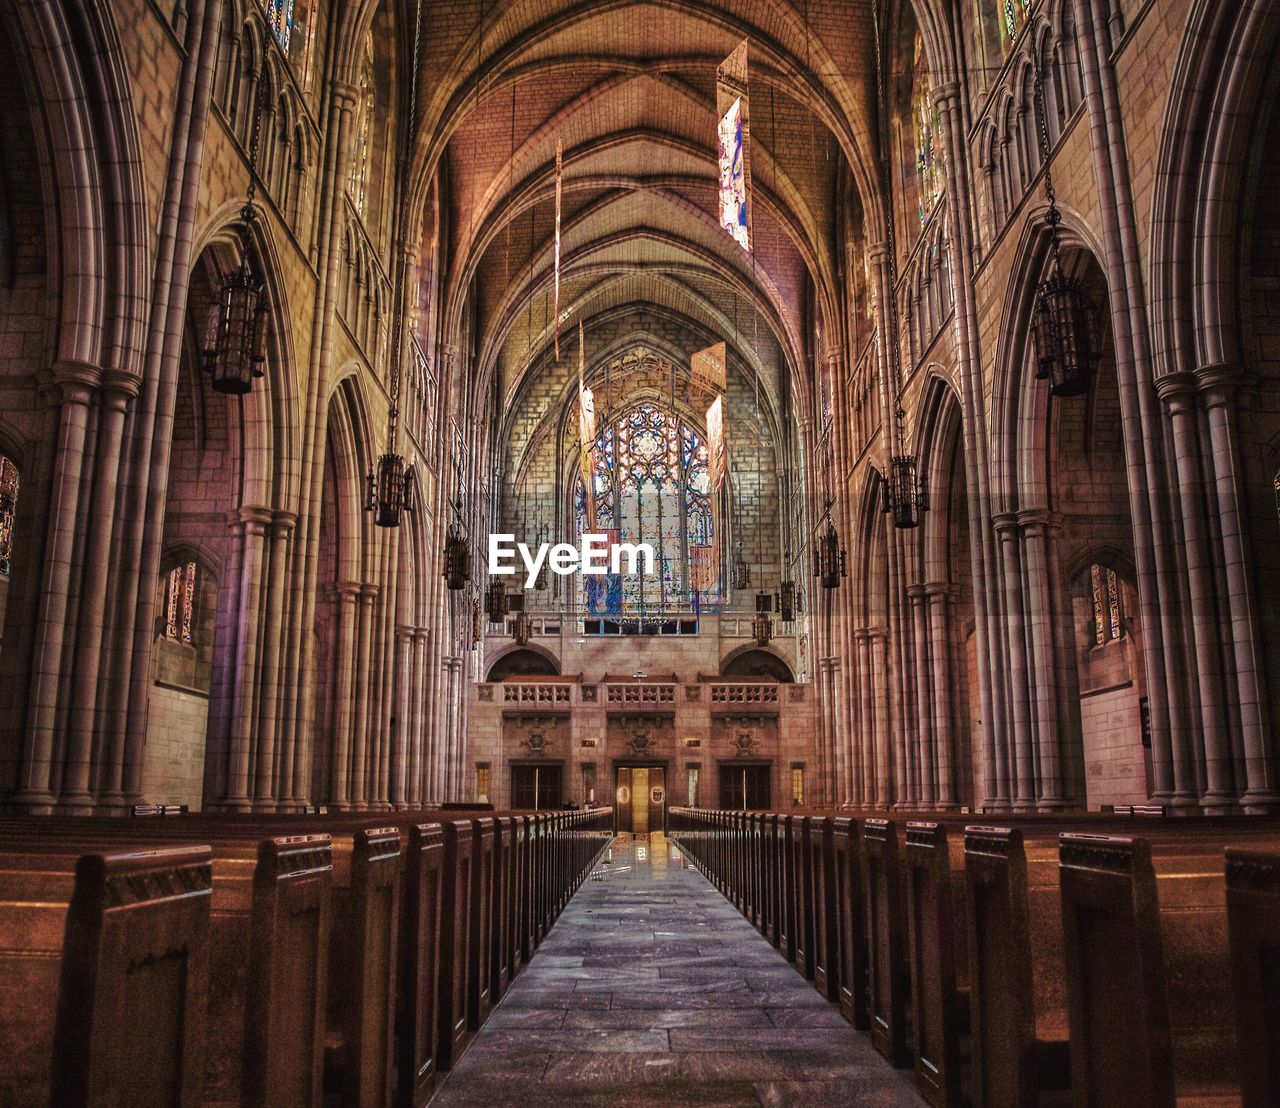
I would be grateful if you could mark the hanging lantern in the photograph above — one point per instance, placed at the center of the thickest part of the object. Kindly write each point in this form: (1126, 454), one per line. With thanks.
(477, 625)
(496, 602)
(788, 599)
(828, 559)
(457, 558)
(762, 628)
(764, 603)
(520, 628)
(1062, 326)
(235, 341)
(907, 497)
(741, 574)
(390, 490)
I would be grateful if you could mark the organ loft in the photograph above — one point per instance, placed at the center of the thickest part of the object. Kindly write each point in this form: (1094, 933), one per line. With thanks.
(659, 552)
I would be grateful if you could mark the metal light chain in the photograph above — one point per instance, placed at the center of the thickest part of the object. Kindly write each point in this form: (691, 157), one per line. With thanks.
(248, 213)
(1054, 217)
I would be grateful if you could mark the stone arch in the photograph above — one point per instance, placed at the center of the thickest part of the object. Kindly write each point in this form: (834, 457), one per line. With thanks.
(515, 661)
(757, 662)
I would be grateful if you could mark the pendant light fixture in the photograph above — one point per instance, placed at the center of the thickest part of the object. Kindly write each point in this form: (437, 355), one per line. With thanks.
(496, 602)
(829, 558)
(391, 486)
(907, 497)
(788, 600)
(762, 625)
(457, 551)
(235, 339)
(1062, 322)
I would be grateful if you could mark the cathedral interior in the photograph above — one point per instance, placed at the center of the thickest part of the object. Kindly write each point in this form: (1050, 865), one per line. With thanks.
(929, 347)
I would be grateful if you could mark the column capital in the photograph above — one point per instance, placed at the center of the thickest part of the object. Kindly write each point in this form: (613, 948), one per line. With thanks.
(936, 588)
(282, 522)
(916, 592)
(70, 374)
(1177, 391)
(1032, 519)
(947, 93)
(1006, 524)
(346, 590)
(345, 96)
(1218, 383)
(255, 517)
(120, 386)
(369, 590)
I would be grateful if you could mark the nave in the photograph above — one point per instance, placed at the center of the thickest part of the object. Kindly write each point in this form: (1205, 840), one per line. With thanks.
(653, 990)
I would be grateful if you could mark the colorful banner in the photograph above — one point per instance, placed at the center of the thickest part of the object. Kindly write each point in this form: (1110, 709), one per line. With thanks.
(706, 369)
(734, 134)
(715, 444)
(586, 433)
(559, 198)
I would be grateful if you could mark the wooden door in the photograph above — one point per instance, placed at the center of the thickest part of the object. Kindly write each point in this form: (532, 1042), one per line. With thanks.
(535, 788)
(744, 787)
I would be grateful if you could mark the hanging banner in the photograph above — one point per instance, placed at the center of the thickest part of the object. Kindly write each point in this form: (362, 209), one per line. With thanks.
(586, 434)
(706, 369)
(559, 197)
(715, 444)
(734, 134)
(704, 572)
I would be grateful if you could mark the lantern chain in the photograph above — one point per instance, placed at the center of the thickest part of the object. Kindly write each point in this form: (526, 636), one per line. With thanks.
(1054, 217)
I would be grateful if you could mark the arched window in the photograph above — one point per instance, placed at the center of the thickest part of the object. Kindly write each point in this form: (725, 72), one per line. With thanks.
(1012, 14)
(1105, 588)
(8, 508)
(359, 188)
(180, 602)
(927, 131)
(652, 484)
(279, 15)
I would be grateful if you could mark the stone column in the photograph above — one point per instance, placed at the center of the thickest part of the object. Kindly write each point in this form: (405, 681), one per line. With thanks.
(866, 747)
(1178, 392)
(82, 722)
(76, 382)
(1217, 389)
(402, 722)
(345, 650)
(1024, 791)
(878, 641)
(363, 679)
(1040, 627)
(253, 528)
(417, 732)
(936, 596)
(928, 795)
(275, 783)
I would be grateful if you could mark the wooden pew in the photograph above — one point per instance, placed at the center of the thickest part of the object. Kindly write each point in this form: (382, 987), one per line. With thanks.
(268, 942)
(889, 981)
(850, 942)
(455, 936)
(104, 973)
(938, 956)
(826, 961)
(1253, 917)
(1145, 945)
(417, 999)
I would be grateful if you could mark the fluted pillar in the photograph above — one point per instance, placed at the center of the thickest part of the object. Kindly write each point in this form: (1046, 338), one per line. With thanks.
(1178, 392)
(401, 722)
(1217, 389)
(1040, 638)
(363, 680)
(340, 797)
(417, 727)
(937, 596)
(866, 748)
(253, 523)
(274, 786)
(878, 640)
(926, 795)
(1023, 779)
(82, 723)
(76, 382)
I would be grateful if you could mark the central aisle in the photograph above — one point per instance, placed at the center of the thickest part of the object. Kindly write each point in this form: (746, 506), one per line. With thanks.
(653, 989)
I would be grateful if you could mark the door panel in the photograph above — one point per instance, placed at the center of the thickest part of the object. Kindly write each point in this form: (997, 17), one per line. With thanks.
(744, 787)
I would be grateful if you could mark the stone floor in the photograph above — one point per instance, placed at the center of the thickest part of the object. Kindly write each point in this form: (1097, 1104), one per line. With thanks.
(653, 990)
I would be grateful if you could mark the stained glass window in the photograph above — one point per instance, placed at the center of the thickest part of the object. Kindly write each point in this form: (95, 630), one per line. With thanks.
(279, 15)
(180, 602)
(8, 507)
(652, 484)
(1011, 14)
(927, 129)
(363, 128)
(1105, 587)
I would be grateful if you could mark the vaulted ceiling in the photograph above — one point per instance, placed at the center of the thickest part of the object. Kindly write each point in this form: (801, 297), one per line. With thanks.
(628, 89)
